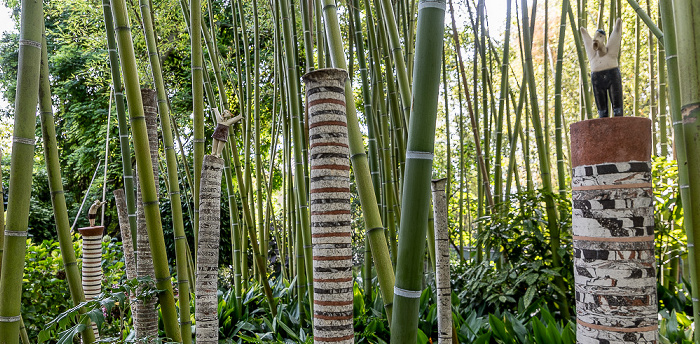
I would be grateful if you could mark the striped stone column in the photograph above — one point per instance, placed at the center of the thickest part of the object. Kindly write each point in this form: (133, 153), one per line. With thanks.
(206, 303)
(330, 206)
(613, 231)
(92, 264)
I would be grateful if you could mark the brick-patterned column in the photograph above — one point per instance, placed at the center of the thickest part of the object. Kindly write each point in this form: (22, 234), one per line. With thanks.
(92, 264)
(331, 233)
(613, 231)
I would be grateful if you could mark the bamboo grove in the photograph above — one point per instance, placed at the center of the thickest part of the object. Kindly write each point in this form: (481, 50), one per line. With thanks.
(434, 90)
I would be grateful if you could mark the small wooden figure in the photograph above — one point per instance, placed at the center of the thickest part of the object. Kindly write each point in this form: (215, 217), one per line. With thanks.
(92, 212)
(220, 135)
(605, 71)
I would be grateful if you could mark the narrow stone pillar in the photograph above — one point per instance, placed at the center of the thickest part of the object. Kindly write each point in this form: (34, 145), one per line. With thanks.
(331, 233)
(442, 262)
(146, 318)
(92, 264)
(208, 251)
(613, 231)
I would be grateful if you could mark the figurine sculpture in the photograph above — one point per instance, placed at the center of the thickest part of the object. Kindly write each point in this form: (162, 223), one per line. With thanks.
(92, 212)
(605, 71)
(220, 135)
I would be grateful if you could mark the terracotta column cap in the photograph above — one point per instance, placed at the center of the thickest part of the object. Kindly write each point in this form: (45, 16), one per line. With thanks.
(91, 231)
(610, 140)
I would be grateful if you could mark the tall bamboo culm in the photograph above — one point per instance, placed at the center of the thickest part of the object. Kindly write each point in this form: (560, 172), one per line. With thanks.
(419, 161)
(146, 178)
(685, 17)
(330, 206)
(58, 199)
(360, 165)
(172, 172)
(127, 170)
(30, 38)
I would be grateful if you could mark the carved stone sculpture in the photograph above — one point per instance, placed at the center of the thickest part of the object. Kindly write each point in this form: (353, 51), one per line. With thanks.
(605, 71)
(92, 212)
(220, 135)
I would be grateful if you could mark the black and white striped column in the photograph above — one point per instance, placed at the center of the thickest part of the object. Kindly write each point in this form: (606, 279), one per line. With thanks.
(92, 264)
(330, 206)
(613, 231)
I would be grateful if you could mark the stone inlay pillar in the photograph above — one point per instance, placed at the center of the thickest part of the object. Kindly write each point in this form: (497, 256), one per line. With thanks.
(208, 251)
(92, 264)
(613, 231)
(331, 234)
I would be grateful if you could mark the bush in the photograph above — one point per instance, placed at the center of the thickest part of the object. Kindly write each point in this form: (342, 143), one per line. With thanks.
(45, 292)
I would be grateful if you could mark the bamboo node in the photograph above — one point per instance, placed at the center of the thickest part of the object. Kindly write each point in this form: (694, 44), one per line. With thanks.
(411, 294)
(15, 233)
(23, 140)
(164, 279)
(695, 300)
(9, 319)
(119, 28)
(419, 155)
(198, 140)
(30, 43)
(373, 229)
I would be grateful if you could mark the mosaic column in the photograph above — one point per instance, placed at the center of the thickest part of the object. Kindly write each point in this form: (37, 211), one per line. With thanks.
(613, 231)
(92, 264)
(331, 233)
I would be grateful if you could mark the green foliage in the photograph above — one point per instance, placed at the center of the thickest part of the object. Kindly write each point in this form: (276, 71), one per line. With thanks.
(45, 293)
(520, 246)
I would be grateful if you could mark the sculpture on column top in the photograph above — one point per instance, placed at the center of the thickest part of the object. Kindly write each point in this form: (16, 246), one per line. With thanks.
(220, 135)
(605, 71)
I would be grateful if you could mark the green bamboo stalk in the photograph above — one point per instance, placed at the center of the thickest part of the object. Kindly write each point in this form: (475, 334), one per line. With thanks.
(503, 97)
(480, 157)
(262, 229)
(31, 28)
(685, 123)
(360, 165)
(195, 20)
(551, 209)
(146, 178)
(416, 194)
(58, 199)
(128, 173)
(398, 58)
(637, 63)
(299, 171)
(2, 213)
(320, 37)
(647, 20)
(448, 147)
(663, 116)
(583, 66)
(558, 111)
(653, 106)
(171, 165)
(368, 111)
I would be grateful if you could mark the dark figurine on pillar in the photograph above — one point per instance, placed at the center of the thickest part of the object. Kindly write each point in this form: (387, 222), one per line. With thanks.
(605, 71)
